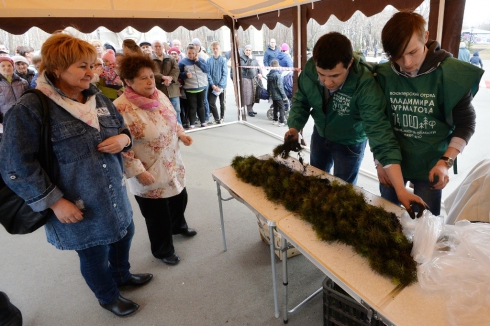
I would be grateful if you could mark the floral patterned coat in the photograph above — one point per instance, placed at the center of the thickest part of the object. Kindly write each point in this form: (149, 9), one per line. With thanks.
(155, 148)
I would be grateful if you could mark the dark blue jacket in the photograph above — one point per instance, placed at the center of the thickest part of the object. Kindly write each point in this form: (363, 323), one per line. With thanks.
(475, 60)
(270, 55)
(284, 60)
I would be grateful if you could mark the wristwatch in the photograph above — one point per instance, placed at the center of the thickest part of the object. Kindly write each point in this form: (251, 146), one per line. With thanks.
(449, 161)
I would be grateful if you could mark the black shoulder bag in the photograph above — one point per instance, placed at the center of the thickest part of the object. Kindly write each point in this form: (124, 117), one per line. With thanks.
(15, 215)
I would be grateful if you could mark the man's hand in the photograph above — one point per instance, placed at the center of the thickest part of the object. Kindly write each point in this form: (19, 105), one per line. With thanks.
(66, 212)
(114, 144)
(145, 178)
(406, 199)
(441, 171)
(166, 80)
(291, 135)
(383, 177)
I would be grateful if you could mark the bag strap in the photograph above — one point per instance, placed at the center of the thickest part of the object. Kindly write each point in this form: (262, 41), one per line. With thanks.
(46, 157)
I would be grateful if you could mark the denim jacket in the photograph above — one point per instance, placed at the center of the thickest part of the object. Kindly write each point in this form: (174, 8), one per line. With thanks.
(90, 179)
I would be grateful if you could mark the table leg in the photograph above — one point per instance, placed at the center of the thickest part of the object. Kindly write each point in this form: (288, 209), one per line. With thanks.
(285, 315)
(273, 266)
(220, 200)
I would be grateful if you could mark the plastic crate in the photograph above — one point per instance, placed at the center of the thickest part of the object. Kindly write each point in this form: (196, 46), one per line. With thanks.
(340, 309)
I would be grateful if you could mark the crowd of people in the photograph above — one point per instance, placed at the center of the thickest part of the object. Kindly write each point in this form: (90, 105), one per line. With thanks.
(118, 115)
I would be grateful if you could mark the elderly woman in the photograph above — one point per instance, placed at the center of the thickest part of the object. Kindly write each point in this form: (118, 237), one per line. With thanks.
(249, 80)
(11, 85)
(193, 73)
(99, 49)
(91, 213)
(22, 68)
(154, 167)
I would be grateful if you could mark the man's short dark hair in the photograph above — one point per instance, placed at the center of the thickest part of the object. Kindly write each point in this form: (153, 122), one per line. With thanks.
(332, 48)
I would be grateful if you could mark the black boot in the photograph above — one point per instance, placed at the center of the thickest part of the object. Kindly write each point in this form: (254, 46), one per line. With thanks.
(121, 307)
(10, 315)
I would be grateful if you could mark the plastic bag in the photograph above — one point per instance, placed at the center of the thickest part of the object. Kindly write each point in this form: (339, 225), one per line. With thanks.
(455, 259)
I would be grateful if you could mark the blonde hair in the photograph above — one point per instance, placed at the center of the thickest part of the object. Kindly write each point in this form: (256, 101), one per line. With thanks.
(215, 43)
(96, 42)
(62, 50)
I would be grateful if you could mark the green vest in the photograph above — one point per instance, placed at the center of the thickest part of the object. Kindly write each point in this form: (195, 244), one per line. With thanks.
(420, 110)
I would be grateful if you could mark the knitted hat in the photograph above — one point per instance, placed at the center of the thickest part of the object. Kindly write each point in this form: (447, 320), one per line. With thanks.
(173, 50)
(7, 59)
(284, 47)
(196, 41)
(248, 46)
(462, 45)
(19, 58)
(110, 56)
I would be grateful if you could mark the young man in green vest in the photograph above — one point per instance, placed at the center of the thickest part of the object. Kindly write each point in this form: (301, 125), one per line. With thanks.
(429, 96)
(338, 90)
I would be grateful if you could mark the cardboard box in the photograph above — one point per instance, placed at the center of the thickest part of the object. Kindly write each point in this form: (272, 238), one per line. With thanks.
(264, 235)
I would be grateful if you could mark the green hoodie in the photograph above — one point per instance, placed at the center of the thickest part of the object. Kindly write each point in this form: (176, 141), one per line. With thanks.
(355, 110)
(421, 107)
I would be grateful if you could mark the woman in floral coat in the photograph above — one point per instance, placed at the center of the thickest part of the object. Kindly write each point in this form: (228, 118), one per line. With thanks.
(154, 167)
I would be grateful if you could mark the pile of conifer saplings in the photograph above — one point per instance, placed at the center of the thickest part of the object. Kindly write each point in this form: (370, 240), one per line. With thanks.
(337, 212)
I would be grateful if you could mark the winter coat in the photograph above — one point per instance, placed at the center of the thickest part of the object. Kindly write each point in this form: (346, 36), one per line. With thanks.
(11, 92)
(464, 54)
(475, 60)
(167, 67)
(28, 76)
(284, 60)
(249, 73)
(355, 110)
(270, 55)
(199, 71)
(218, 72)
(275, 88)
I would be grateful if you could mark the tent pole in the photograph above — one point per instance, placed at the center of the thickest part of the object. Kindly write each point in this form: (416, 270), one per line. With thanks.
(440, 20)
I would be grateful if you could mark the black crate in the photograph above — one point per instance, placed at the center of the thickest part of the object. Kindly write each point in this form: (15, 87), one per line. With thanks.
(340, 309)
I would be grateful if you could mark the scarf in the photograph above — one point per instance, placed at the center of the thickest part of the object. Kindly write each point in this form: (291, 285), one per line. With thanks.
(85, 112)
(145, 103)
(153, 103)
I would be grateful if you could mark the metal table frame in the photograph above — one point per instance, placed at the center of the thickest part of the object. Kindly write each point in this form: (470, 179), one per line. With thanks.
(286, 312)
(269, 223)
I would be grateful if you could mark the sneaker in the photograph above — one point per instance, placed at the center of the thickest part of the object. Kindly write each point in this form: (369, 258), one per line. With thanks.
(192, 127)
(222, 120)
(274, 123)
(280, 124)
(217, 122)
(209, 123)
(204, 125)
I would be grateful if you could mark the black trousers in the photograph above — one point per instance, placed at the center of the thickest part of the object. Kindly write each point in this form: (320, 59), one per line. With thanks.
(212, 104)
(278, 108)
(196, 103)
(164, 217)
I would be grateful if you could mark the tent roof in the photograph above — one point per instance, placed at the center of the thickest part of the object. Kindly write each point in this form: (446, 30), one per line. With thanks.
(87, 15)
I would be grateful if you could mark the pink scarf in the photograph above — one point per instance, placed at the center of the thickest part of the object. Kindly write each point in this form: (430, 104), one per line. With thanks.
(152, 104)
(144, 103)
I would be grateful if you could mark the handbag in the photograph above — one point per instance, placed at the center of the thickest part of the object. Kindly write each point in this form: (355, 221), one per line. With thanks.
(15, 215)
